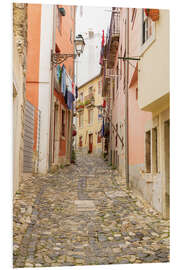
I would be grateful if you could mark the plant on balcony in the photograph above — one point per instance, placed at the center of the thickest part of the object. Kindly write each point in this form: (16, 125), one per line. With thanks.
(80, 106)
(152, 13)
(87, 102)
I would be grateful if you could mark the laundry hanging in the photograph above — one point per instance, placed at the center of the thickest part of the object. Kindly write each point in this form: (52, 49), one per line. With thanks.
(63, 80)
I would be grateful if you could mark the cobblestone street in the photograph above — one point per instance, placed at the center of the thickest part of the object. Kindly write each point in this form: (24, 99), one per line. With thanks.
(83, 215)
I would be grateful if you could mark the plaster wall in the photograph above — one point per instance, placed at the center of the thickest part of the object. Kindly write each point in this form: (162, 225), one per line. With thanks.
(95, 127)
(44, 91)
(18, 105)
(153, 83)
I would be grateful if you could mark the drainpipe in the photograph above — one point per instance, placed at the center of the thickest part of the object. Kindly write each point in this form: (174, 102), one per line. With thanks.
(71, 137)
(126, 102)
(52, 90)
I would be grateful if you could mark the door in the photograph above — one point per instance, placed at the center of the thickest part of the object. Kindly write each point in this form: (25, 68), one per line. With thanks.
(90, 143)
(167, 168)
(28, 137)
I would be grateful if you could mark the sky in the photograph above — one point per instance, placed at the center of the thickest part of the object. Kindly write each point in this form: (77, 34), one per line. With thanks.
(96, 19)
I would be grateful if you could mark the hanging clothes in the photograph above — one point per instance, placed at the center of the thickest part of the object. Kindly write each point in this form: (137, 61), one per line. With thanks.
(58, 72)
(73, 87)
(102, 129)
(70, 100)
(76, 92)
(63, 80)
(66, 95)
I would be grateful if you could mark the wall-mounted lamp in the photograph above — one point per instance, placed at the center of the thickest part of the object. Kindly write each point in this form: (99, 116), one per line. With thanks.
(58, 58)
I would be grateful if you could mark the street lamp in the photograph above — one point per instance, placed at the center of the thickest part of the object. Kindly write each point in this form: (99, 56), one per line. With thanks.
(58, 58)
(79, 44)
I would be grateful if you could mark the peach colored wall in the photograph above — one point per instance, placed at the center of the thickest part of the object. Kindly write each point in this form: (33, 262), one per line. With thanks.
(137, 118)
(63, 37)
(137, 121)
(66, 46)
(33, 56)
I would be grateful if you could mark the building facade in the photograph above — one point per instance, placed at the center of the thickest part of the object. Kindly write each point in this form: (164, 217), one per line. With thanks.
(48, 113)
(19, 80)
(136, 88)
(38, 88)
(89, 117)
(63, 87)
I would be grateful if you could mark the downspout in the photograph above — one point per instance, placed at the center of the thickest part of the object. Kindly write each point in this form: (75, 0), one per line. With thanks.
(126, 102)
(52, 89)
(71, 137)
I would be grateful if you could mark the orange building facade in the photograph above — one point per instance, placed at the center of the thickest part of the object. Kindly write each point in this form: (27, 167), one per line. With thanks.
(48, 120)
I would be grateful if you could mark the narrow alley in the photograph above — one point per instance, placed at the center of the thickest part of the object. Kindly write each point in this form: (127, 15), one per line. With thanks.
(84, 215)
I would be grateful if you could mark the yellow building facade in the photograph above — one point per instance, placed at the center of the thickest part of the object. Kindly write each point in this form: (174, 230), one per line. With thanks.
(154, 95)
(89, 118)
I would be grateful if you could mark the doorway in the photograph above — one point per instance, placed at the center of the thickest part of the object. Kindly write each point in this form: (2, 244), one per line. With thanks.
(90, 143)
(167, 167)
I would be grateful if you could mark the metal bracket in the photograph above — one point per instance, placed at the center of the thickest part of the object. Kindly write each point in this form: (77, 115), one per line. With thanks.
(129, 58)
(58, 58)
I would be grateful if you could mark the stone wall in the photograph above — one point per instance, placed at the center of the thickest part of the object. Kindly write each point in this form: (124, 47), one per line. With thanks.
(19, 82)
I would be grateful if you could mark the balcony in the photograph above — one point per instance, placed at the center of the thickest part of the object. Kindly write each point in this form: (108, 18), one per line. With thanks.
(113, 39)
(106, 87)
(89, 100)
(79, 105)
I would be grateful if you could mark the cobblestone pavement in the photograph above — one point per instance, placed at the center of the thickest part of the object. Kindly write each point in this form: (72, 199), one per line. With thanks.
(83, 215)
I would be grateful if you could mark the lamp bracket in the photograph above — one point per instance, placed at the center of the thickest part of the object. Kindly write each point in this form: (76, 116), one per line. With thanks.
(58, 58)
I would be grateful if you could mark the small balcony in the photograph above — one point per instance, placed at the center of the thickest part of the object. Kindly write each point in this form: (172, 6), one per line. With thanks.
(113, 40)
(106, 87)
(89, 100)
(79, 105)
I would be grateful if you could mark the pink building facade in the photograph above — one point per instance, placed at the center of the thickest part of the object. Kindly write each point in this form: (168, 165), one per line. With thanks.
(130, 147)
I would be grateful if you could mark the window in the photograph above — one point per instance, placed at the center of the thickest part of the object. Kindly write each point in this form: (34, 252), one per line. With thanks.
(147, 27)
(90, 90)
(99, 137)
(90, 117)
(116, 135)
(148, 151)
(121, 63)
(59, 20)
(81, 119)
(81, 97)
(100, 87)
(63, 123)
(80, 141)
(155, 150)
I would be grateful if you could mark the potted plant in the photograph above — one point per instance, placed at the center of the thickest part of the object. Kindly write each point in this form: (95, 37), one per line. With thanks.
(87, 102)
(152, 13)
(80, 106)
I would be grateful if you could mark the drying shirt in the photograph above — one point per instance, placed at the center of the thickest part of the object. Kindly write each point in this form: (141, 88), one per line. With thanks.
(63, 80)
(70, 99)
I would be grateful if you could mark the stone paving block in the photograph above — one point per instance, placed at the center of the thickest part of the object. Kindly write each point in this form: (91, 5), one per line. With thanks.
(84, 215)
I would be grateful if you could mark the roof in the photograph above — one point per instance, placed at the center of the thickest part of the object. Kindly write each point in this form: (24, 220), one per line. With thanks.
(99, 75)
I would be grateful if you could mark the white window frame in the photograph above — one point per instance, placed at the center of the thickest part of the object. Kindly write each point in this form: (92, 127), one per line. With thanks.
(150, 40)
